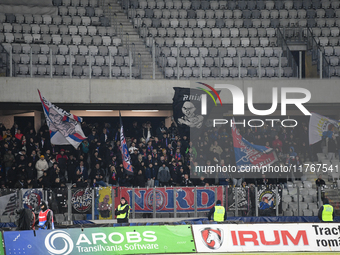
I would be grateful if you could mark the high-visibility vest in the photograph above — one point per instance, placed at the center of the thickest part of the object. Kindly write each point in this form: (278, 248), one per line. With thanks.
(43, 219)
(327, 213)
(219, 213)
(122, 215)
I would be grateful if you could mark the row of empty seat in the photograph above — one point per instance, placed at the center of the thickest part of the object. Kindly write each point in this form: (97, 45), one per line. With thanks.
(219, 51)
(327, 41)
(235, 14)
(75, 60)
(208, 32)
(65, 49)
(83, 3)
(225, 41)
(223, 62)
(64, 20)
(232, 5)
(233, 72)
(77, 71)
(61, 39)
(61, 20)
(80, 11)
(208, 42)
(237, 23)
(57, 29)
(51, 19)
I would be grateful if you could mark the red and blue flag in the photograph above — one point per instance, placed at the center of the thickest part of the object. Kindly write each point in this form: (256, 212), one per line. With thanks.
(124, 149)
(65, 128)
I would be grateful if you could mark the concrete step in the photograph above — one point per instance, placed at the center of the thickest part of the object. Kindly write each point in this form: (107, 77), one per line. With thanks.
(113, 10)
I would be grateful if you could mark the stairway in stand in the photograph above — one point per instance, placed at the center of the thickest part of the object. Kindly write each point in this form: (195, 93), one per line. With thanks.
(129, 35)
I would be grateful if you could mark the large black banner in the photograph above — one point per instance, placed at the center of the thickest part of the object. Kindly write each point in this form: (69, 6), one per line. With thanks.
(190, 106)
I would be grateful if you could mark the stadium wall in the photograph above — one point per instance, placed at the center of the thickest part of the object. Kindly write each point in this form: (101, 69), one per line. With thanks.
(105, 91)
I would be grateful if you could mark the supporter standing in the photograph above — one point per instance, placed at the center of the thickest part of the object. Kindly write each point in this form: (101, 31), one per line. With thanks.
(45, 217)
(123, 211)
(326, 212)
(163, 175)
(41, 166)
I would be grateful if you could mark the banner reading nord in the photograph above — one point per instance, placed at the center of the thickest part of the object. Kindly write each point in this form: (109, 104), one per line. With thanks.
(185, 198)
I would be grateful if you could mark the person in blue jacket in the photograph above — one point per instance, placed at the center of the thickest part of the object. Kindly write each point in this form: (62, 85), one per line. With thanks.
(266, 207)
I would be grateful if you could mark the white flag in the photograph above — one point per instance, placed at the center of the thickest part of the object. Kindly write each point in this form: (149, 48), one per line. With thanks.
(64, 127)
(320, 126)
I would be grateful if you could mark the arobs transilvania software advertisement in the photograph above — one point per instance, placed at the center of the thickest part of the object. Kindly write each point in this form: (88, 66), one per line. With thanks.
(120, 240)
(276, 131)
(267, 237)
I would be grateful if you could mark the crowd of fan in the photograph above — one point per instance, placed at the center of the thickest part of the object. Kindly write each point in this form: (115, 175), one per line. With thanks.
(159, 156)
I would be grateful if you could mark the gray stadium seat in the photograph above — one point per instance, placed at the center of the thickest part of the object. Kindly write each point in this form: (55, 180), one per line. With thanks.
(3, 18)
(83, 50)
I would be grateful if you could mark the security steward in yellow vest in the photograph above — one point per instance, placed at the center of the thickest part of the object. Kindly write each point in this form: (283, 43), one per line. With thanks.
(218, 212)
(122, 211)
(326, 212)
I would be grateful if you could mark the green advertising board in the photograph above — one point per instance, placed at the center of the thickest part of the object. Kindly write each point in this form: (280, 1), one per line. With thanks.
(2, 251)
(118, 240)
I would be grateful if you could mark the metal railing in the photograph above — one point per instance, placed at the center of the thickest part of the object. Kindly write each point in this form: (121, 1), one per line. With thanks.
(175, 202)
(304, 35)
(295, 34)
(242, 70)
(10, 68)
(7, 64)
(281, 40)
(318, 55)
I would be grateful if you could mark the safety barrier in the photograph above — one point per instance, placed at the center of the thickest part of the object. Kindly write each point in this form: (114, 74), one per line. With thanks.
(69, 204)
(220, 238)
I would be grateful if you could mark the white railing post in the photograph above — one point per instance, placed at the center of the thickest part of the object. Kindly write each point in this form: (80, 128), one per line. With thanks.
(10, 61)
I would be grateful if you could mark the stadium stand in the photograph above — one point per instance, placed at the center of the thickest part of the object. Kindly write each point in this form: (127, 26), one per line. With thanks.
(229, 28)
(225, 38)
(74, 32)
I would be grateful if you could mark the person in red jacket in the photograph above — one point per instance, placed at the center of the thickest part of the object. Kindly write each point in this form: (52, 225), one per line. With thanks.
(277, 143)
(45, 217)
(18, 135)
(62, 160)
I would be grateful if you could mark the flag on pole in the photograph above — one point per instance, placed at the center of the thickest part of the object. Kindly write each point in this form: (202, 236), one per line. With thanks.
(124, 149)
(247, 154)
(187, 108)
(320, 126)
(65, 128)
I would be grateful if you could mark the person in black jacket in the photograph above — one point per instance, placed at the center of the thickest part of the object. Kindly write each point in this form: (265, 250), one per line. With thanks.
(320, 182)
(186, 182)
(140, 179)
(26, 219)
(97, 175)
